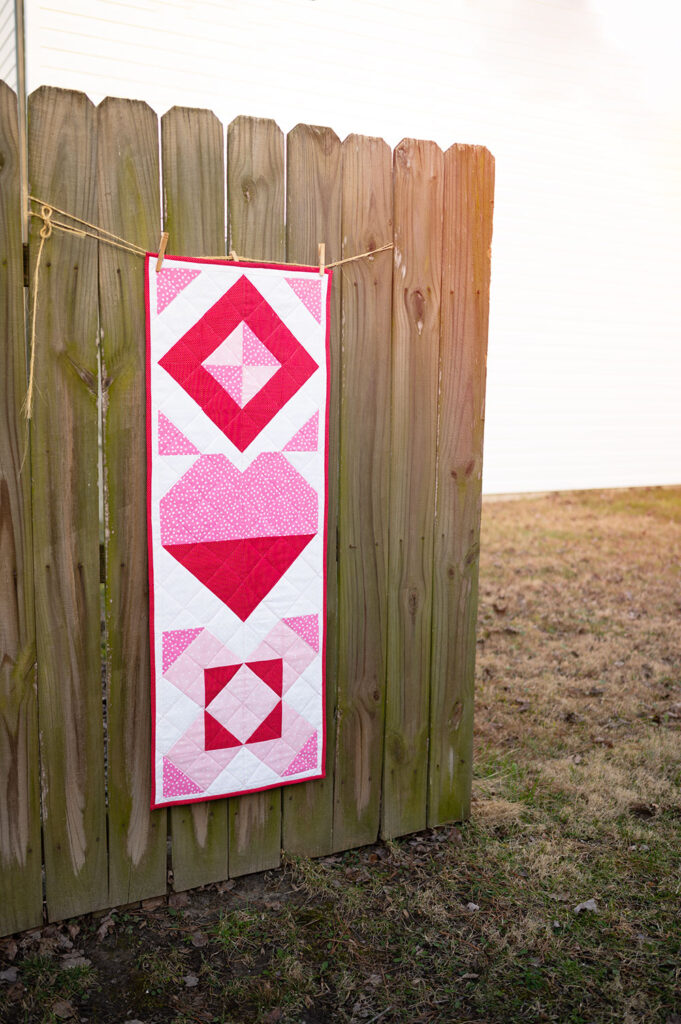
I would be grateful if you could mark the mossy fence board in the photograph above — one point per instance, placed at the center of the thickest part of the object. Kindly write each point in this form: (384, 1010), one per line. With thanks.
(408, 354)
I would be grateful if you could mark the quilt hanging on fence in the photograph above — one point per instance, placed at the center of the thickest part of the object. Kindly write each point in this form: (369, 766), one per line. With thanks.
(237, 397)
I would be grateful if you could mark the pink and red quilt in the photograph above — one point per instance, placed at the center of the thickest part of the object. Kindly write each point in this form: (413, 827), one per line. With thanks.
(237, 399)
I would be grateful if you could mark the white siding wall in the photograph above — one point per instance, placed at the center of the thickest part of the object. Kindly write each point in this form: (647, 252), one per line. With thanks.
(578, 100)
(8, 43)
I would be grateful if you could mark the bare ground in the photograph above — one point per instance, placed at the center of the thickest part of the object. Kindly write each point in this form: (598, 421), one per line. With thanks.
(577, 800)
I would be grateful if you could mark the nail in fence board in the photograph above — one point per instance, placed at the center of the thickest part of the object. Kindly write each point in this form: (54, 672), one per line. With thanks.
(416, 336)
(129, 205)
(255, 175)
(313, 215)
(363, 490)
(62, 164)
(193, 199)
(468, 200)
(21, 900)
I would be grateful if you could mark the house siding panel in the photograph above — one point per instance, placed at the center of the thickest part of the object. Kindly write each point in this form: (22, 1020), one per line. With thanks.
(584, 353)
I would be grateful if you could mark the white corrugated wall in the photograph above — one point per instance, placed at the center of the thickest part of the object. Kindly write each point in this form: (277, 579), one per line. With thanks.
(8, 43)
(579, 100)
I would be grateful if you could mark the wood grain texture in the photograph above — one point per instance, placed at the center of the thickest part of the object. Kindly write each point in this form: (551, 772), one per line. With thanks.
(418, 190)
(193, 190)
(363, 490)
(255, 176)
(129, 205)
(468, 203)
(62, 160)
(313, 215)
(20, 858)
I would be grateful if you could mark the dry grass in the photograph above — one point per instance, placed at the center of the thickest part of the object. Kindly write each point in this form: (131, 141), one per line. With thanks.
(577, 796)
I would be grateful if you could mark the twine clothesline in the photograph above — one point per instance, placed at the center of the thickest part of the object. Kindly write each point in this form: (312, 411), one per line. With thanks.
(101, 234)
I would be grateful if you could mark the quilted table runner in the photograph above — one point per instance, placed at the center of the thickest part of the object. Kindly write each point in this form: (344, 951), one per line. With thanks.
(237, 397)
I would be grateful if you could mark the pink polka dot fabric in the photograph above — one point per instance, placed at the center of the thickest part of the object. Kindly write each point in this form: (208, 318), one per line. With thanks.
(215, 501)
(310, 294)
(175, 642)
(305, 439)
(238, 380)
(176, 783)
(307, 627)
(172, 441)
(169, 284)
(305, 759)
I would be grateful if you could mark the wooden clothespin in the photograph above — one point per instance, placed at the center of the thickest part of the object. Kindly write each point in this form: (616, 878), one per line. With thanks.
(233, 255)
(321, 257)
(161, 250)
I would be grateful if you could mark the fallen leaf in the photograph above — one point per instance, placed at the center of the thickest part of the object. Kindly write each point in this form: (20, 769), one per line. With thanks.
(9, 976)
(191, 981)
(69, 961)
(63, 1009)
(107, 925)
(199, 939)
(586, 905)
(472, 907)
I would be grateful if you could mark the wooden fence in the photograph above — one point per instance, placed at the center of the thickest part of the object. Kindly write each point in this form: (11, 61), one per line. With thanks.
(408, 351)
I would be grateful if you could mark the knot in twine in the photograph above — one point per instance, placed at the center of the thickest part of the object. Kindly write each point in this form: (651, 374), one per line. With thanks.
(46, 213)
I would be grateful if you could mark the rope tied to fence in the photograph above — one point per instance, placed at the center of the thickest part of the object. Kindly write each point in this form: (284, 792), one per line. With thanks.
(100, 234)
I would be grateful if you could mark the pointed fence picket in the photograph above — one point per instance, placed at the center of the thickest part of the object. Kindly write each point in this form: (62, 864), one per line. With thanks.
(408, 353)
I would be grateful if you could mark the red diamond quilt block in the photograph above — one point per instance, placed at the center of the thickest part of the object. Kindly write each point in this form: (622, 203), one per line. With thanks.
(240, 405)
(237, 400)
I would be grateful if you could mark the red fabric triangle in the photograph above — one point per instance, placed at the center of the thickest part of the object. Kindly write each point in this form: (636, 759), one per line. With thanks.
(270, 729)
(217, 678)
(271, 672)
(217, 737)
(240, 572)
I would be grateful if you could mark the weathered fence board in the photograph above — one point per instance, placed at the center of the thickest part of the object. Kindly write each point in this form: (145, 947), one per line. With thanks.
(21, 898)
(255, 175)
(417, 268)
(129, 205)
(363, 490)
(468, 198)
(407, 372)
(193, 191)
(313, 204)
(63, 170)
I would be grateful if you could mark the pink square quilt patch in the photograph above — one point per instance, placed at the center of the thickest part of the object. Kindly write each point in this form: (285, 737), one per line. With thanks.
(237, 428)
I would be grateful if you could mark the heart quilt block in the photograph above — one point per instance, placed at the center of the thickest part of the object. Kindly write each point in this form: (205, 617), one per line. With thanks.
(237, 400)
